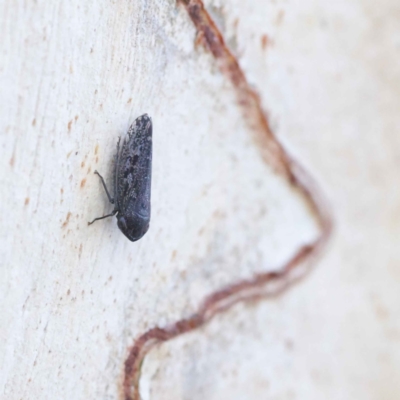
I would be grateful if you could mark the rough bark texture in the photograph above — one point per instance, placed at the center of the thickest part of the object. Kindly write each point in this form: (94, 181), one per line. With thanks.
(235, 220)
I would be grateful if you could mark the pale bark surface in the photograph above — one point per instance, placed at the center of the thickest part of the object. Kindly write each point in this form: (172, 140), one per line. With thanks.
(73, 298)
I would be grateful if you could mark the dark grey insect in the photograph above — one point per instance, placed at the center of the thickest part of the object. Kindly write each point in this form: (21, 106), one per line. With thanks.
(132, 180)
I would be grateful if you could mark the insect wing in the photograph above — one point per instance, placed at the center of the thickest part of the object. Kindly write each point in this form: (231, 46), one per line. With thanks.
(133, 169)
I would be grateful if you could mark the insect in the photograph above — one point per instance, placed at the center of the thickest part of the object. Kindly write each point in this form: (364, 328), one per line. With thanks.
(132, 180)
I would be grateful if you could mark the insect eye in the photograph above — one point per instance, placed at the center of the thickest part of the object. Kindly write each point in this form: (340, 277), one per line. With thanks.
(122, 223)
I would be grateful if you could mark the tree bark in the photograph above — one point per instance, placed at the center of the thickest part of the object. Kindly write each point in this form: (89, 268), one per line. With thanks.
(200, 307)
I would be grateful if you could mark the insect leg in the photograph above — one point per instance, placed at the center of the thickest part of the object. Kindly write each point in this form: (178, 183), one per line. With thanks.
(105, 188)
(104, 216)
